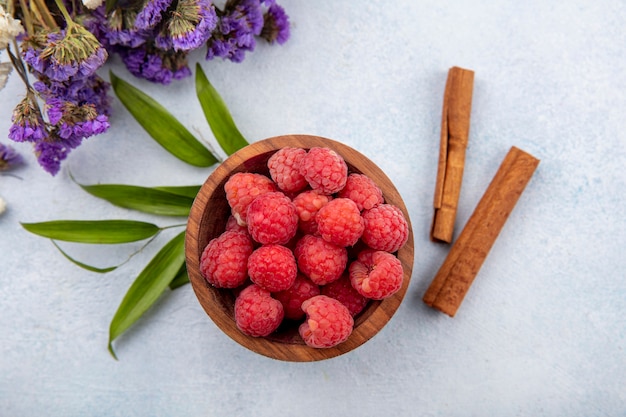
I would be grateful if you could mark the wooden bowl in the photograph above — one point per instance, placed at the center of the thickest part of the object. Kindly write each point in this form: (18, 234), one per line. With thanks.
(207, 220)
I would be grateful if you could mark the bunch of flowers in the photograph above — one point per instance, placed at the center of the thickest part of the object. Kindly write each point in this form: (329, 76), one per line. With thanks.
(63, 44)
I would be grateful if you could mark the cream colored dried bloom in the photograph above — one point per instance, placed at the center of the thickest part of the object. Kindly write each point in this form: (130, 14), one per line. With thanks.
(3, 206)
(92, 4)
(5, 70)
(9, 28)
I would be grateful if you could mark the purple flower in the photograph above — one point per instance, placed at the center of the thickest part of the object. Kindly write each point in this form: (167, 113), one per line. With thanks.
(73, 51)
(151, 14)
(276, 25)
(9, 157)
(241, 21)
(28, 124)
(50, 155)
(90, 90)
(156, 65)
(120, 29)
(188, 26)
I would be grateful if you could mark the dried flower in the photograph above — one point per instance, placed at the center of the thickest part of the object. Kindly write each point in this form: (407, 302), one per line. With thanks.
(240, 22)
(151, 14)
(9, 28)
(156, 65)
(73, 51)
(9, 157)
(3, 206)
(188, 26)
(275, 25)
(28, 124)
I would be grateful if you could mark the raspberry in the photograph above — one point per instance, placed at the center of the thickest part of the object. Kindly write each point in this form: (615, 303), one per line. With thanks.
(232, 224)
(343, 291)
(339, 222)
(256, 312)
(363, 191)
(328, 322)
(224, 260)
(284, 167)
(386, 228)
(272, 218)
(376, 274)
(324, 170)
(307, 205)
(292, 298)
(320, 261)
(242, 188)
(272, 267)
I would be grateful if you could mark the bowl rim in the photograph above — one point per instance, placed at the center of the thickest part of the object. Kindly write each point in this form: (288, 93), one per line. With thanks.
(211, 298)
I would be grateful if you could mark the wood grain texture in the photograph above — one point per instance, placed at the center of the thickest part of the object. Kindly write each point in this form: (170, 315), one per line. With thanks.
(454, 278)
(207, 220)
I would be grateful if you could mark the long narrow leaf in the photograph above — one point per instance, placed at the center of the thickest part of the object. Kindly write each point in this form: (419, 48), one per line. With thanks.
(83, 265)
(186, 190)
(148, 287)
(217, 115)
(180, 279)
(161, 125)
(147, 200)
(94, 231)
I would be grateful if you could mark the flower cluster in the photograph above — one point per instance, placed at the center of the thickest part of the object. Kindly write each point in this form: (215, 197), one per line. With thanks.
(154, 37)
(63, 47)
(69, 101)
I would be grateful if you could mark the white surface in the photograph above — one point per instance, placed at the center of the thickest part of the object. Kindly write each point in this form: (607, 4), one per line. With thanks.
(542, 330)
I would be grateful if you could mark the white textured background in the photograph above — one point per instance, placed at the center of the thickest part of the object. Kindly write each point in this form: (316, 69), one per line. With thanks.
(542, 331)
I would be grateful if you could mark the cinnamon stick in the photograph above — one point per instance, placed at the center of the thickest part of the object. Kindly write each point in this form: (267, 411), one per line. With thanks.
(454, 278)
(455, 124)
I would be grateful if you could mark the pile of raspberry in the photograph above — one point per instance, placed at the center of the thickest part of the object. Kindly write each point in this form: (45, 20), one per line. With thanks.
(307, 242)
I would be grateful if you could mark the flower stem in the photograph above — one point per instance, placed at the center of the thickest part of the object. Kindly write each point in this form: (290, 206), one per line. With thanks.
(46, 17)
(173, 225)
(66, 14)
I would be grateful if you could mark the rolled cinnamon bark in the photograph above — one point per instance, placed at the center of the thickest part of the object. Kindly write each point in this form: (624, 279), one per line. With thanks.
(454, 278)
(455, 124)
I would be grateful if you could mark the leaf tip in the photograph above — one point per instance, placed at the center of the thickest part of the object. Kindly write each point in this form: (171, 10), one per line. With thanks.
(111, 351)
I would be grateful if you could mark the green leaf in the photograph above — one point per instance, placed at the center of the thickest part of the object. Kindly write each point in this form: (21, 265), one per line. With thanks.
(148, 287)
(180, 279)
(186, 191)
(161, 125)
(83, 265)
(147, 200)
(217, 115)
(94, 231)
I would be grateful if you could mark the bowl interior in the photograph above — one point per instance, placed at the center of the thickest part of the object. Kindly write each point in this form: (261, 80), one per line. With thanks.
(207, 220)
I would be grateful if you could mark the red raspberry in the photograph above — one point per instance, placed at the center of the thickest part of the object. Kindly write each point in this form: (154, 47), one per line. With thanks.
(320, 261)
(376, 274)
(232, 224)
(328, 322)
(324, 170)
(224, 260)
(363, 191)
(242, 188)
(292, 298)
(272, 267)
(339, 222)
(272, 218)
(343, 291)
(307, 205)
(386, 228)
(284, 167)
(256, 312)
